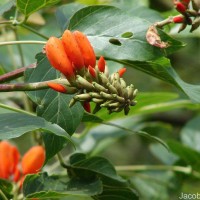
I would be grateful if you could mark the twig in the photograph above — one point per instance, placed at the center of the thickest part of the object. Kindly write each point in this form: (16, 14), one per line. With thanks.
(15, 74)
(22, 42)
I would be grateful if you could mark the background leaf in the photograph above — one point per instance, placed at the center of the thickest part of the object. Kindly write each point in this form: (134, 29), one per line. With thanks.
(27, 7)
(113, 185)
(190, 134)
(43, 186)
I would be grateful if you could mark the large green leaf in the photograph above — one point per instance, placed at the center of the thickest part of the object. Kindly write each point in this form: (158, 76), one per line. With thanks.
(27, 7)
(53, 106)
(104, 23)
(43, 186)
(101, 26)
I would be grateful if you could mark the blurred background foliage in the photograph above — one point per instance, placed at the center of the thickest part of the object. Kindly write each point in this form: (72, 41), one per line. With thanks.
(180, 125)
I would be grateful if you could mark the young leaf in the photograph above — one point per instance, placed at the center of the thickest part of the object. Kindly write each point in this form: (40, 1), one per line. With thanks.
(27, 7)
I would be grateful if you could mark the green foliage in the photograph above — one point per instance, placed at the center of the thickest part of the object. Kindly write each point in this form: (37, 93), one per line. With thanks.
(27, 7)
(161, 164)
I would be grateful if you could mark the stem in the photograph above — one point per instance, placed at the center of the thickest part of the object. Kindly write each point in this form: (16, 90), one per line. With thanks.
(19, 47)
(31, 86)
(169, 20)
(62, 163)
(3, 195)
(15, 74)
(22, 42)
(34, 31)
(186, 170)
(23, 86)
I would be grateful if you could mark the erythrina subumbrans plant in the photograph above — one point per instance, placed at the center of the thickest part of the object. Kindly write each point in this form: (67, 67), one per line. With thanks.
(70, 105)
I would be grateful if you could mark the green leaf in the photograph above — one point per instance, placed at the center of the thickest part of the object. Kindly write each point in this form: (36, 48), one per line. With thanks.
(187, 154)
(16, 124)
(100, 24)
(190, 134)
(6, 188)
(53, 106)
(114, 187)
(27, 7)
(43, 186)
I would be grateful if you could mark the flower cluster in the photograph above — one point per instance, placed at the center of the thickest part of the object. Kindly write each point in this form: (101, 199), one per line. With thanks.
(15, 169)
(188, 16)
(74, 57)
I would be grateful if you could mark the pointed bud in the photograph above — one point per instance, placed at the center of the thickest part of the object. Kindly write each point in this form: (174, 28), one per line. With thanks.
(180, 7)
(86, 106)
(58, 58)
(86, 49)
(101, 64)
(72, 50)
(57, 87)
(33, 160)
(92, 71)
(121, 71)
(178, 19)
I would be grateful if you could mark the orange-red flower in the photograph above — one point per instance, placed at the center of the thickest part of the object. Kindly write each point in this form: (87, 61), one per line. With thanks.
(57, 87)
(58, 58)
(33, 160)
(9, 158)
(10, 166)
(86, 49)
(72, 50)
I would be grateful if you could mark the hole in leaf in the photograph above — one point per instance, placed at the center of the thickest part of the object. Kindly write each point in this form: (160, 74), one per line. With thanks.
(127, 35)
(115, 41)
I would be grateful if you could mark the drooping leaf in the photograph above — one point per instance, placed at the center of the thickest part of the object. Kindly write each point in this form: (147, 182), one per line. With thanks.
(43, 186)
(27, 7)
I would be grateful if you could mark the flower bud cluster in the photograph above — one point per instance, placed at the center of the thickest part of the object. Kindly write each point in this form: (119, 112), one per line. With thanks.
(74, 57)
(190, 15)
